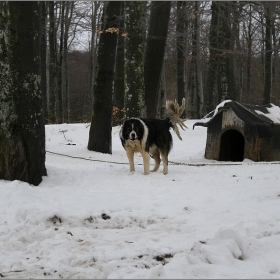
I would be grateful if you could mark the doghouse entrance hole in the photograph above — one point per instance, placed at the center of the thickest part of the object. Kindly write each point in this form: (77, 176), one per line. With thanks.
(232, 146)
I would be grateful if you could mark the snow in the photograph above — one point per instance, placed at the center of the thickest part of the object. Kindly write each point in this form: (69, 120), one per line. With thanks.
(91, 218)
(212, 114)
(273, 113)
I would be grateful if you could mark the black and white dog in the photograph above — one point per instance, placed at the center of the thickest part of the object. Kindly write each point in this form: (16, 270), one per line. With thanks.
(152, 137)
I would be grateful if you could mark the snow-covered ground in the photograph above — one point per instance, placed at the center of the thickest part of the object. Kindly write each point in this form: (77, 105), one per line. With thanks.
(91, 218)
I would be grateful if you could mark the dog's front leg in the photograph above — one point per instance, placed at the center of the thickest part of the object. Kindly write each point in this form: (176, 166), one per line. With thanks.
(130, 156)
(165, 163)
(146, 162)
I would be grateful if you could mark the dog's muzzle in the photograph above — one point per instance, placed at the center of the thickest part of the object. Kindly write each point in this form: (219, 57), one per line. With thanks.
(133, 136)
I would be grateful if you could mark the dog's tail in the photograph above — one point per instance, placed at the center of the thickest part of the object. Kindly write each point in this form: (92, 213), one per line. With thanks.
(174, 111)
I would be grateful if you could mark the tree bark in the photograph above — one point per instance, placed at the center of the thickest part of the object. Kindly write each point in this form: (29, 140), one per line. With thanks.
(60, 108)
(220, 82)
(22, 130)
(52, 65)
(118, 96)
(95, 6)
(195, 83)
(211, 95)
(198, 64)
(268, 53)
(181, 42)
(249, 56)
(133, 60)
(43, 55)
(154, 53)
(100, 138)
(68, 19)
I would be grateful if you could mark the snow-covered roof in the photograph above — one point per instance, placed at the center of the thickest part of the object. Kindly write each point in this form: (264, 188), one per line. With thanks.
(255, 114)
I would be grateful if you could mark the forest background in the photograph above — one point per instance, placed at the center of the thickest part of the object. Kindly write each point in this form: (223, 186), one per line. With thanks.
(214, 51)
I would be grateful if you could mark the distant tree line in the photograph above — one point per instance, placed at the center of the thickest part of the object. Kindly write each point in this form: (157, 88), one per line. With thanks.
(101, 62)
(213, 51)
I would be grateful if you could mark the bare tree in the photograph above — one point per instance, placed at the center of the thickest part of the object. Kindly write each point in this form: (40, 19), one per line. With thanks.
(154, 53)
(181, 29)
(100, 139)
(195, 88)
(67, 22)
(94, 20)
(52, 64)
(268, 52)
(221, 81)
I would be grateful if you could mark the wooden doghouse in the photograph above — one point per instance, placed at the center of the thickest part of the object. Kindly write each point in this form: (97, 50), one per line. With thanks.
(237, 131)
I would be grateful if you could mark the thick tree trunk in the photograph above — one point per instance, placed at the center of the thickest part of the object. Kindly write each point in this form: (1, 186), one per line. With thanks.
(220, 82)
(95, 6)
(133, 60)
(195, 77)
(52, 65)
(22, 130)
(154, 53)
(100, 138)
(211, 96)
(162, 96)
(239, 56)
(44, 60)
(118, 96)
(226, 83)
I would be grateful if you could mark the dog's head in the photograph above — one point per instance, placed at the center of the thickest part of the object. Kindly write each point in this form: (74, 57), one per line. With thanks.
(132, 129)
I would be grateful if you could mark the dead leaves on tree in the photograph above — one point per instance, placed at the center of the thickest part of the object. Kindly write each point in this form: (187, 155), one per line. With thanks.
(112, 30)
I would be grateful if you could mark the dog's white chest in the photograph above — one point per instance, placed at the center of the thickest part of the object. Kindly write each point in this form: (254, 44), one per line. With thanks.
(134, 145)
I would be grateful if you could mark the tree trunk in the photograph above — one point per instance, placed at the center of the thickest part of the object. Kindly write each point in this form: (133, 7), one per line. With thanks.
(181, 42)
(220, 82)
(239, 56)
(162, 96)
(60, 107)
(93, 46)
(154, 53)
(68, 18)
(133, 60)
(268, 53)
(118, 97)
(196, 83)
(100, 138)
(52, 65)
(44, 59)
(249, 56)
(22, 130)
(198, 64)
(211, 96)
(226, 82)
